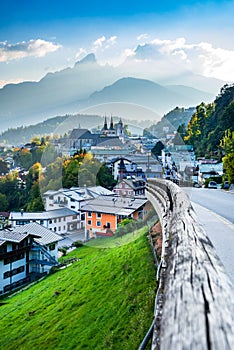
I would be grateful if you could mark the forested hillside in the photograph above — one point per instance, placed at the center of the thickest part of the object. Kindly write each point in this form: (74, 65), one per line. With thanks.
(211, 130)
(56, 125)
(25, 192)
(209, 123)
(171, 121)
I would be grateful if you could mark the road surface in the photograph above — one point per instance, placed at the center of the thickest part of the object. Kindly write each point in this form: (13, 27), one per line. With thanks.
(215, 212)
(218, 201)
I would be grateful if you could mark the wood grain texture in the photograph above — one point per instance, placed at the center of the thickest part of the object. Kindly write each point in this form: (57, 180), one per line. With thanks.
(195, 306)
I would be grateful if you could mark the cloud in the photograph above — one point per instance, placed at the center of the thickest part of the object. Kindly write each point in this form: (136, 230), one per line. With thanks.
(142, 36)
(32, 48)
(112, 40)
(129, 53)
(104, 43)
(98, 43)
(200, 58)
(81, 53)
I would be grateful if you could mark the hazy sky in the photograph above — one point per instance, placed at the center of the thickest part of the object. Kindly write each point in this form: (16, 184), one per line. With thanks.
(37, 37)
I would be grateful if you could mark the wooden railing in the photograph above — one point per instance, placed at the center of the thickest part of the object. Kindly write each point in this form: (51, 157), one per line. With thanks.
(194, 308)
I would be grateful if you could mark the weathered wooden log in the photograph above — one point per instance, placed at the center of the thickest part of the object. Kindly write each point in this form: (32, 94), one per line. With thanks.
(195, 307)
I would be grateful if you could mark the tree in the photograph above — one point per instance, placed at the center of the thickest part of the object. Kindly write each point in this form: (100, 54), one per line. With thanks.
(35, 201)
(209, 123)
(3, 167)
(227, 144)
(105, 178)
(157, 149)
(3, 202)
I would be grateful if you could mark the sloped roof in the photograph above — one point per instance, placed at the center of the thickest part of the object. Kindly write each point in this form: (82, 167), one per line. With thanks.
(82, 134)
(114, 205)
(110, 142)
(14, 236)
(81, 193)
(46, 236)
(45, 215)
(135, 183)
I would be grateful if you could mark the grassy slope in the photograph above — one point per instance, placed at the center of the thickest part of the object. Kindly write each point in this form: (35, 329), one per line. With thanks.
(103, 301)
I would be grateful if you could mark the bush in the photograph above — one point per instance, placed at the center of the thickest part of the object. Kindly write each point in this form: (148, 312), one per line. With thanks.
(77, 244)
(54, 269)
(63, 250)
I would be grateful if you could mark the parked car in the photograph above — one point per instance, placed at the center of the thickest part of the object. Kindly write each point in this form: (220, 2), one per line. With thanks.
(226, 185)
(212, 184)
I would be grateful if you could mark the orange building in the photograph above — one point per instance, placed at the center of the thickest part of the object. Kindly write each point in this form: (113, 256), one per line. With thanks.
(103, 213)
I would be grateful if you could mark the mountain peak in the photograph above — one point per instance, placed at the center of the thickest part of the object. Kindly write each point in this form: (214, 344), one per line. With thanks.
(90, 58)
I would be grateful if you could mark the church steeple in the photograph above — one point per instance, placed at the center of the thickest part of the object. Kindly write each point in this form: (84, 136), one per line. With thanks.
(111, 124)
(122, 169)
(105, 124)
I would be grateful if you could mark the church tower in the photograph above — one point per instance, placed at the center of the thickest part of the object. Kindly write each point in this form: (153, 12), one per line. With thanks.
(111, 131)
(120, 130)
(105, 128)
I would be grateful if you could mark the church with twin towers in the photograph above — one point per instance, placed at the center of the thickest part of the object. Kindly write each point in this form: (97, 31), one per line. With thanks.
(113, 130)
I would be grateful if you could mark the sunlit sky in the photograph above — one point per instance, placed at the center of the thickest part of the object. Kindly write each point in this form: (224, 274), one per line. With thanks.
(37, 37)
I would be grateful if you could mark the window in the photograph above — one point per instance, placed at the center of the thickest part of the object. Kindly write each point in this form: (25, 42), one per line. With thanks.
(99, 215)
(52, 247)
(15, 246)
(16, 257)
(55, 220)
(50, 221)
(89, 214)
(59, 219)
(74, 217)
(59, 228)
(108, 225)
(41, 222)
(82, 216)
(7, 274)
(98, 223)
(73, 207)
(22, 222)
(13, 272)
(89, 222)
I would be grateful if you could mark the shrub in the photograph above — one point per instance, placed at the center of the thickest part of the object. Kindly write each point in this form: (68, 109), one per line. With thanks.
(77, 244)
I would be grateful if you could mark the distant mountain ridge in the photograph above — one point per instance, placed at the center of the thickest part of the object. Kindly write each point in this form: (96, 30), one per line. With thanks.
(63, 124)
(147, 93)
(86, 84)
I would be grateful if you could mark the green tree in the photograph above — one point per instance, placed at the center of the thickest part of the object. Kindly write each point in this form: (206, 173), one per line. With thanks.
(3, 167)
(3, 202)
(227, 144)
(35, 201)
(157, 149)
(105, 178)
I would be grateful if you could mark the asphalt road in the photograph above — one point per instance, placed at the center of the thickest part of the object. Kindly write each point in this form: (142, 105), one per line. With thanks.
(218, 201)
(215, 213)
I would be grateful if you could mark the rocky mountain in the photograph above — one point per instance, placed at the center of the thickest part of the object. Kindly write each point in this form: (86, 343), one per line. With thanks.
(27, 102)
(146, 93)
(88, 84)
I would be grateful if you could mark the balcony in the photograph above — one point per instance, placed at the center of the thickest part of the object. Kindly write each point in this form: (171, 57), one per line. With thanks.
(12, 253)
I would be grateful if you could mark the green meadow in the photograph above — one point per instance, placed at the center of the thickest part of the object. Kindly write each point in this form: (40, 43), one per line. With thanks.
(103, 301)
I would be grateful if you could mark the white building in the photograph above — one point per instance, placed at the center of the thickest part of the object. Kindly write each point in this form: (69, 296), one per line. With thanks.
(61, 220)
(26, 255)
(73, 199)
